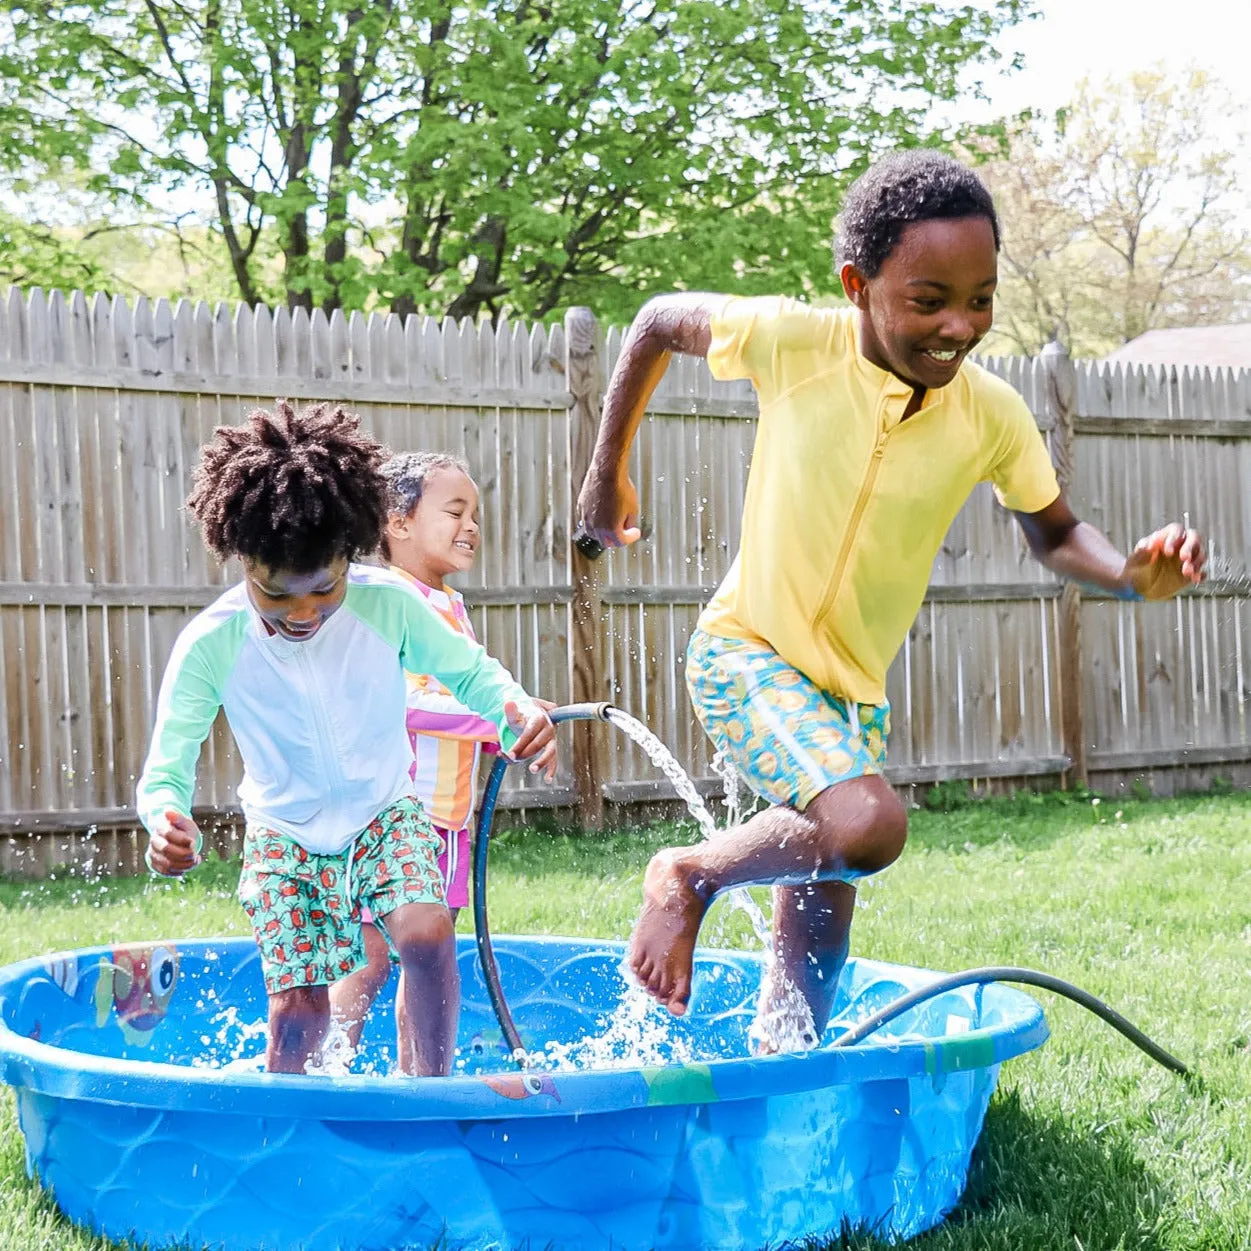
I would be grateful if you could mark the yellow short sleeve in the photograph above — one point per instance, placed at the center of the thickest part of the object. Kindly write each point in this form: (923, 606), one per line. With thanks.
(1023, 475)
(750, 334)
(733, 327)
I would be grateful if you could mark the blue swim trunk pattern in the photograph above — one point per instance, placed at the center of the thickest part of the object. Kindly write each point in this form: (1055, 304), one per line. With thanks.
(789, 739)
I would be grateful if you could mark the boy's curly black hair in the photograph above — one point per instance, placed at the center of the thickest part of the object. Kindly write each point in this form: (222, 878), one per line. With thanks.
(916, 185)
(290, 490)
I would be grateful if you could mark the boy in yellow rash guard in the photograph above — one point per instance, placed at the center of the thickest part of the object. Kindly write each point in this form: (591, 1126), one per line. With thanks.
(873, 431)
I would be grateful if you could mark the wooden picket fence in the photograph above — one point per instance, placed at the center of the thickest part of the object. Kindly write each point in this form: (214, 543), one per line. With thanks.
(1006, 674)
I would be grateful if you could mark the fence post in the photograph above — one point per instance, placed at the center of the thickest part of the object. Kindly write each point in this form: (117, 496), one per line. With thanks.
(1061, 395)
(584, 373)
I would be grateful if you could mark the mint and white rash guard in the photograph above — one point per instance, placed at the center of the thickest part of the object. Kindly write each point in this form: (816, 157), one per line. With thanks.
(320, 723)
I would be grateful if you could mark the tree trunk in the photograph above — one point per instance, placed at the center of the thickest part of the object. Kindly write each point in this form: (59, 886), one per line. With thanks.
(485, 284)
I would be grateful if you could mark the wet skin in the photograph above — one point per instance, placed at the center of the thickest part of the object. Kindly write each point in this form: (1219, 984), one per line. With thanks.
(932, 299)
(926, 308)
(296, 605)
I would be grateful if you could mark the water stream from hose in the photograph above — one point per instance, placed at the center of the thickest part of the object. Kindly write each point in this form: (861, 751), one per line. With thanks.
(783, 1019)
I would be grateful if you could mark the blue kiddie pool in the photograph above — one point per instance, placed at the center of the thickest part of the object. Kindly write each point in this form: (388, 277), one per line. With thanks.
(144, 1113)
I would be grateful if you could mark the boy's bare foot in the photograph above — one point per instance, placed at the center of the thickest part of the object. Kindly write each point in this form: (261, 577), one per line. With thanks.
(663, 945)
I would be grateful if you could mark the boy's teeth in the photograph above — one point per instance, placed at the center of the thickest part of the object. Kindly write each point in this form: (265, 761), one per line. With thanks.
(943, 356)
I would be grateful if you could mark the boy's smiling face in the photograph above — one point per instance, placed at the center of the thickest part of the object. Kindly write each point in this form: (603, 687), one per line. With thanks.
(296, 605)
(931, 302)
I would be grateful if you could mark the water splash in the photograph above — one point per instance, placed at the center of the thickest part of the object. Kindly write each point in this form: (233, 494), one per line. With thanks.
(636, 1034)
(664, 760)
(1233, 574)
(336, 1055)
(236, 1043)
(783, 1019)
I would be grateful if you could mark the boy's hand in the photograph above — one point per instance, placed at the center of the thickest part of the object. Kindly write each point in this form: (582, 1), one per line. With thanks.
(1164, 562)
(173, 844)
(536, 739)
(609, 510)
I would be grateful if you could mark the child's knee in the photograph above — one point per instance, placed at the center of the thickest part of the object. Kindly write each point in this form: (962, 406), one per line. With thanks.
(299, 1007)
(416, 929)
(864, 828)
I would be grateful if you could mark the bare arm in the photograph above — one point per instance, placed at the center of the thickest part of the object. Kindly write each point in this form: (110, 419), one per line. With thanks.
(1160, 565)
(608, 502)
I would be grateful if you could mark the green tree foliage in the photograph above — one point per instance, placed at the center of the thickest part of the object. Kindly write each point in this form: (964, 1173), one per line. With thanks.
(33, 254)
(129, 258)
(1122, 215)
(493, 154)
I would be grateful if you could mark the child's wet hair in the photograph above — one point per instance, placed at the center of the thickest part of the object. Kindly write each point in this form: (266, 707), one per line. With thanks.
(406, 475)
(293, 491)
(916, 185)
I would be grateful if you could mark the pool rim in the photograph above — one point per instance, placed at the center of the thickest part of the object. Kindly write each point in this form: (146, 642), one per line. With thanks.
(51, 1070)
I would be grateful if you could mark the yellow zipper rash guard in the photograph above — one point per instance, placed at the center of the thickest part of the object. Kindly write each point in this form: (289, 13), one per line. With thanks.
(847, 504)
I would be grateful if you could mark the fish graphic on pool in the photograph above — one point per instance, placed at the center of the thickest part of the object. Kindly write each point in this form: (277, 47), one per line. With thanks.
(135, 986)
(521, 1085)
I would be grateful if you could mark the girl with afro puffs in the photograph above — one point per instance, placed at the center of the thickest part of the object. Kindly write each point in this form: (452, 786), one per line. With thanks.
(874, 428)
(307, 657)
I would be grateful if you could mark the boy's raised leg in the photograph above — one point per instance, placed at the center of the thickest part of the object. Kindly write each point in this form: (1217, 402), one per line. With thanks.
(849, 830)
(298, 1020)
(429, 1009)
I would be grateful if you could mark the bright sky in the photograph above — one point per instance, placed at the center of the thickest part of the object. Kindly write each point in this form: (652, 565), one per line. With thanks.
(1075, 39)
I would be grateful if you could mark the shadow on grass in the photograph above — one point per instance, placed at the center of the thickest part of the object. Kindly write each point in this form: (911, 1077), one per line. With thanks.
(1037, 1184)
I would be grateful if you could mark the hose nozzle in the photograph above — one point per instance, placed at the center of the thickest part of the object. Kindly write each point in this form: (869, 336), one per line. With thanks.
(587, 543)
(581, 712)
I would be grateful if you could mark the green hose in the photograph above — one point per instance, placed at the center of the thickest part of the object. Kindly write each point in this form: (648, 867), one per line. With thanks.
(1027, 977)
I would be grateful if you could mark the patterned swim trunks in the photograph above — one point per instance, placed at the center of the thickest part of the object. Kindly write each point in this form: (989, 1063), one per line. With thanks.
(789, 739)
(455, 861)
(305, 908)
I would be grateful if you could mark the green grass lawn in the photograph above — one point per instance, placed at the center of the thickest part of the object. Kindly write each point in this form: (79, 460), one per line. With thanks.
(1087, 1144)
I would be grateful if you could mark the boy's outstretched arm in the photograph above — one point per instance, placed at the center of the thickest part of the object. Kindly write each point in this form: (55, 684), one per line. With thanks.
(608, 505)
(1161, 564)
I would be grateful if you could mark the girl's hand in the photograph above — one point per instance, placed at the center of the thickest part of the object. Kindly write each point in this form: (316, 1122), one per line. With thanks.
(536, 739)
(173, 844)
(1164, 562)
(609, 510)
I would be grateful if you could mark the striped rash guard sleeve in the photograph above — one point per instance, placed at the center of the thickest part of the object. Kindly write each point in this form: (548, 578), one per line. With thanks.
(437, 713)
